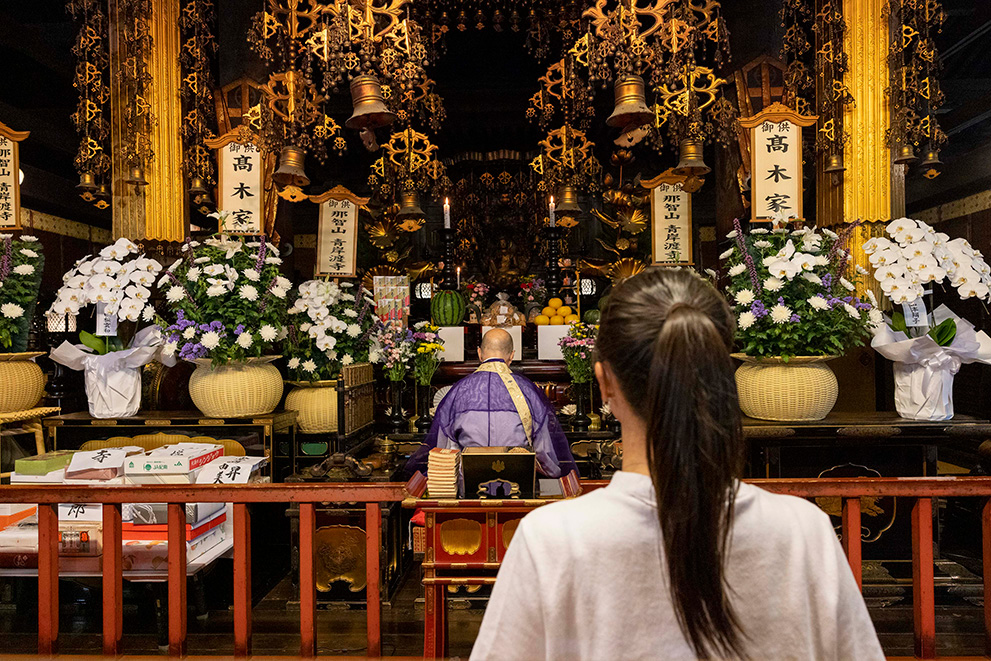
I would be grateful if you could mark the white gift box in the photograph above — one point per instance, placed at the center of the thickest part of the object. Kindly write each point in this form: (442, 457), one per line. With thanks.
(454, 343)
(547, 342)
(516, 332)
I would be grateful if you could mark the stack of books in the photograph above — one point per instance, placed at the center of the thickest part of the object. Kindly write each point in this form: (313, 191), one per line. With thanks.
(443, 473)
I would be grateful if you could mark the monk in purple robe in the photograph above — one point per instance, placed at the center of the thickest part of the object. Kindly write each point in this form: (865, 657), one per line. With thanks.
(496, 407)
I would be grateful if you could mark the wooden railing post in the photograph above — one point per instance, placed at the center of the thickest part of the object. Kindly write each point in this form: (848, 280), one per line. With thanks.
(113, 596)
(923, 587)
(242, 580)
(307, 585)
(373, 546)
(177, 579)
(851, 538)
(47, 579)
(986, 556)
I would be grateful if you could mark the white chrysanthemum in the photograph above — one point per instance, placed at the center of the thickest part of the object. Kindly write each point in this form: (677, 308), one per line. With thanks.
(812, 277)
(189, 333)
(293, 363)
(779, 230)
(354, 330)
(731, 235)
(285, 283)
(310, 366)
(216, 290)
(193, 274)
(762, 244)
(148, 313)
(818, 303)
(273, 260)
(872, 298)
(245, 339)
(268, 332)
(760, 230)
(175, 294)
(852, 311)
(746, 320)
(210, 339)
(27, 238)
(830, 233)
(11, 310)
(27, 252)
(347, 359)
(23, 269)
(350, 313)
(251, 274)
(737, 269)
(168, 349)
(201, 260)
(780, 314)
(876, 317)
(849, 286)
(727, 254)
(248, 293)
(744, 297)
(279, 292)
(773, 284)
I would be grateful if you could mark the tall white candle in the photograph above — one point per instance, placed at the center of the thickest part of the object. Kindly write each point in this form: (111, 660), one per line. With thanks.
(459, 277)
(550, 211)
(447, 214)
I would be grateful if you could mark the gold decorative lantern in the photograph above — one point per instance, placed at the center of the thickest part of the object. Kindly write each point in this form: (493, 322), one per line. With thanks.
(690, 159)
(409, 206)
(906, 155)
(631, 103)
(290, 172)
(370, 111)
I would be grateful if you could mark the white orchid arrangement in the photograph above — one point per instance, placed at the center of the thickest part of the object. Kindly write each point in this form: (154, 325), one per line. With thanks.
(330, 326)
(791, 293)
(118, 281)
(21, 265)
(229, 299)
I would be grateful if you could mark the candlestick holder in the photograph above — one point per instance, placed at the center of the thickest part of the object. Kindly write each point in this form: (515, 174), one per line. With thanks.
(448, 236)
(553, 280)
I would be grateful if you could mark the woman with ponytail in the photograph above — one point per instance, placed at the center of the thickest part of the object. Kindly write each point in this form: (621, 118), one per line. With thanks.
(676, 558)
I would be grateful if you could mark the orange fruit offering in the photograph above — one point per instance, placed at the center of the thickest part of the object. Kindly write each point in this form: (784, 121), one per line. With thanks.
(565, 311)
(572, 319)
(548, 311)
(542, 320)
(555, 303)
(557, 320)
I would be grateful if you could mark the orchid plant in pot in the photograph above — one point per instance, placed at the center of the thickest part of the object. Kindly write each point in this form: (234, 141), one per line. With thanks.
(795, 301)
(329, 333)
(227, 303)
(21, 266)
(118, 282)
(927, 345)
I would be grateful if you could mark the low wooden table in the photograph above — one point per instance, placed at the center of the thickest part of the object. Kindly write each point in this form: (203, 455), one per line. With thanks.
(30, 420)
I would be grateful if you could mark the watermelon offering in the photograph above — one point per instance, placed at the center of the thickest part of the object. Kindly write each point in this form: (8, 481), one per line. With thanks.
(447, 308)
(592, 316)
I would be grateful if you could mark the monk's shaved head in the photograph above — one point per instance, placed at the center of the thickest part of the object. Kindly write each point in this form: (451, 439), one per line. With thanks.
(496, 343)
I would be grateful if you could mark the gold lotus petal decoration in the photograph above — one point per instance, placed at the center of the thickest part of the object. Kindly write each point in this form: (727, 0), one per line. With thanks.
(382, 269)
(383, 233)
(624, 268)
(634, 221)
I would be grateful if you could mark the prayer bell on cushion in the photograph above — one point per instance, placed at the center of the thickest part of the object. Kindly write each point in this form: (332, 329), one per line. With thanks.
(409, 206)
(290, 172)
(631, 103)
(834, 164)
(906, 155)
(370, 111)
(569, 201)
(690, 159)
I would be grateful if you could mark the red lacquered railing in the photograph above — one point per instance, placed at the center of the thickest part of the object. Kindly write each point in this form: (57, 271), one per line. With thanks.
(306, 495)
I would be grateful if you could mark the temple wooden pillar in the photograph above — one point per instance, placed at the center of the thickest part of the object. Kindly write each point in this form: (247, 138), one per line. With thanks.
(160, 211)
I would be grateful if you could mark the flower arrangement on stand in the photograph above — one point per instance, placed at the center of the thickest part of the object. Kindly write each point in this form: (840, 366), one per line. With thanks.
(329, 329)
(476, 294)
(21, 266)
(426, 359)
(796, 307)
(118, 281)
(229, 303)
(578, 348)
(927, 345)
(393, 347)
(533, 295)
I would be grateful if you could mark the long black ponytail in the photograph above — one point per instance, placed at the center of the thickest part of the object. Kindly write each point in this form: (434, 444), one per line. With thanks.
(667, 336)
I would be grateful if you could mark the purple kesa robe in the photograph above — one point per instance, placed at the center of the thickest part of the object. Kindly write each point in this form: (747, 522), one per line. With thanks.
(478, 411)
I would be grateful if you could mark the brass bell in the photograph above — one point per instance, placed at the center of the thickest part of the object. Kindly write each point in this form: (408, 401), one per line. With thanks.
(103, 192)
(409, 206)
(690, 159)
(906, 155)
(290, 172)
(834, 164)
(370, 111)
(87, 186)
(631, 103)
(137, 177)
(931, 164)
(197, 187)
(569, 201)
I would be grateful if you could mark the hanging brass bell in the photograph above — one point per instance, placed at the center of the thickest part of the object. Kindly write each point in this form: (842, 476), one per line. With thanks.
(834, 164)
(87, 186)
(906, 155)
(409, 206)
(690, 159)
(932, 166)
(290, 172)
(370, 111)
(631, 103)
(569, 201)
(197, 187)
(136, 177)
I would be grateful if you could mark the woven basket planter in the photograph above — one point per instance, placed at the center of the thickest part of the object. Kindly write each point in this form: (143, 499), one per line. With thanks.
(315, 403)
(236, 390)
(804, 388)
(23, 382)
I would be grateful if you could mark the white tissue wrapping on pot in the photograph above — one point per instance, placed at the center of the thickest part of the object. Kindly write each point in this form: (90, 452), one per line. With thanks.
(113, 380)
(924, 370)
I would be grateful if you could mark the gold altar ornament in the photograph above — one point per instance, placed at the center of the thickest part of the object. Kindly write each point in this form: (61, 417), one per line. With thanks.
(631, 103)
(370, 111)
(460, 536)
(690, 159)
(409, 208)
(339, 555)
(290, 172)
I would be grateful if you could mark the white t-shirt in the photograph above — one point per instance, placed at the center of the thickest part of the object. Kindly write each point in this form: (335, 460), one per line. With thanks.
(586, 579)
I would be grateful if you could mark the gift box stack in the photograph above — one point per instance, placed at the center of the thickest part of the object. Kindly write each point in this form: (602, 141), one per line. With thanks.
(443, 473)
(146, 533)
(391, 298)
